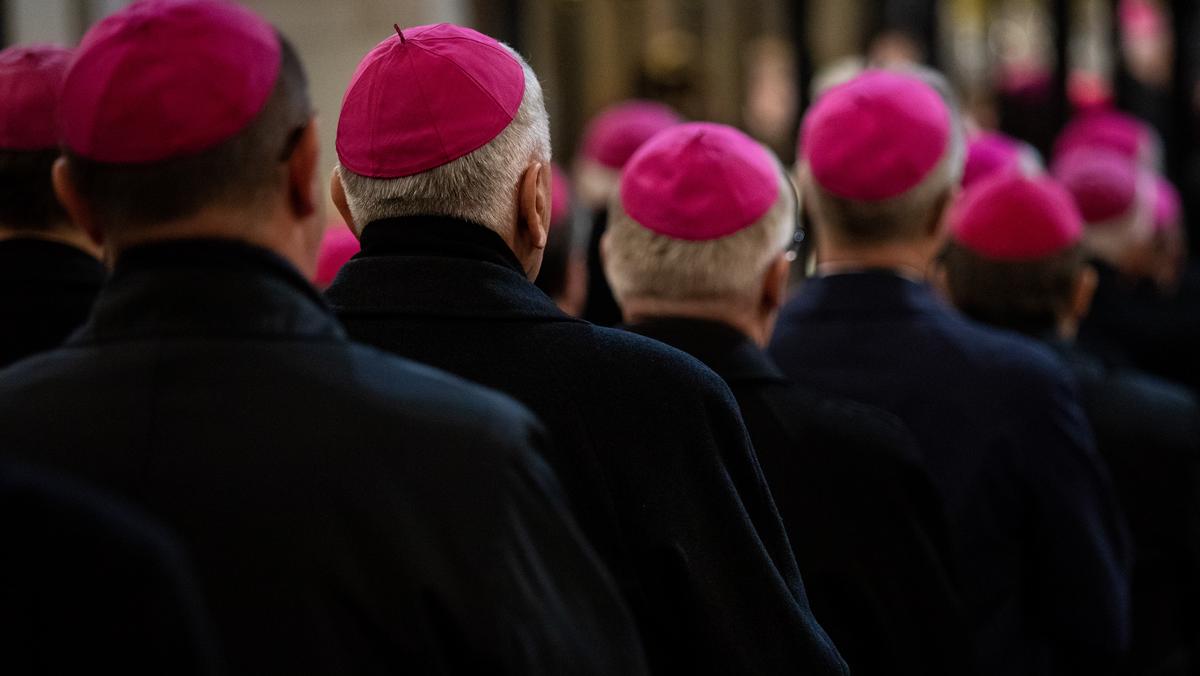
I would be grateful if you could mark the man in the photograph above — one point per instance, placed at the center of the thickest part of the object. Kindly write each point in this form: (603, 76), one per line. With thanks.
(50, 271)
(348, 512)
(1034, 533)
(610, 139)
(698, 253)
(1017, 261)
(563, 276)
(89, 584)
(450, 191)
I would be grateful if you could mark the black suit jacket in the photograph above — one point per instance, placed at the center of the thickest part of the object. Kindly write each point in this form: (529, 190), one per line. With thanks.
(1038, 544)
(46, 291)
(864, 520)
(647, 441)
(348, 512)
(90, 585)
(1148, 431)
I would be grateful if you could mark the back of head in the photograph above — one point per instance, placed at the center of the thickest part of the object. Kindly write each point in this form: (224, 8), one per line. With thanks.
(1113, 131)
(701, 213)
(610, 139)
(881, 155)
(456, 145)
(1014, 258)
(172, 107)
(30, 79)
(1115, 197)
(996, 153)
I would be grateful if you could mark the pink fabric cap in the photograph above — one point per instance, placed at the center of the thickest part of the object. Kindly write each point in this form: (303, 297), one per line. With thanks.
(1014, 218)
(31, 78)
(1104, 183)
(167, 78)
(875, 137)
(1105, 128)
(426, 99)
(989, 154)
(337, 246)
(615, 133)
(699, 181)
(1168, 208)
(560, 197)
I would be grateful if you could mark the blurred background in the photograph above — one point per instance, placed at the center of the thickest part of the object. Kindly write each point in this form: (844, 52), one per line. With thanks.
(1022, 66)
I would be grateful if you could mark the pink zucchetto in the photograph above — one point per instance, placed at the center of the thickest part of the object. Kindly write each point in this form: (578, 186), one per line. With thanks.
(1108, 129)
(1168, 208)
(337, 246)
(167, 78)
(1104, 183)
(426, 97)
(31, 78)
(615, 134)
(1014, 218)
(560, 196)
(875, 137)
(699, 181)
(989, 154)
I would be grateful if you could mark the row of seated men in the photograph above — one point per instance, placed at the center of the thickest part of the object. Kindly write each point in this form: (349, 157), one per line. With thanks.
(433, 468)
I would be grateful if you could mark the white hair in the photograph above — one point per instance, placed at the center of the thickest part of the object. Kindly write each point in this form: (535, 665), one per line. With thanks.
(646, 265)
(480, 187)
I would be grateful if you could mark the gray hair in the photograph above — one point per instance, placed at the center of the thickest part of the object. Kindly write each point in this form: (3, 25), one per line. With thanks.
(480, 187)
(643, 264)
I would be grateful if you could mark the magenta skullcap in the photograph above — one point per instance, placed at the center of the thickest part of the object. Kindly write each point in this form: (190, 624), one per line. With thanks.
(699, 181)
(1104, 183)
(1014, 218)
(1108, 129)
(876, 136)
(560, 196)
(989, 154)
(31, 78)
(1167, 205)
(338, 245)
(615, 133)
(167, 78)
(426, 97)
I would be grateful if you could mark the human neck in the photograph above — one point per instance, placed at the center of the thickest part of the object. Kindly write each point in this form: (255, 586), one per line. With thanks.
(910, 259)
(751, 324)
(63, 234)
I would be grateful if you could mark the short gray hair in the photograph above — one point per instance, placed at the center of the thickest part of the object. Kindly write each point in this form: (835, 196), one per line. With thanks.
(480, 187)
(643, 264)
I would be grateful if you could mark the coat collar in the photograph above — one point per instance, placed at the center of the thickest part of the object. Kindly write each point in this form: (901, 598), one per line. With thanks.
(434, 266)
(879, 293)
(724, 349)
(206, 287)
(30, 259)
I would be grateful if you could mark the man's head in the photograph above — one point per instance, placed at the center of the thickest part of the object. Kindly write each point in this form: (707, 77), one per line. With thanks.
(881, 159)
(1015, 258)
(1114, 131)
(701, 226)
(611, 138)
(30, 79)
(1116, 198)
(993, 153)
(441, 120)
(185, 118)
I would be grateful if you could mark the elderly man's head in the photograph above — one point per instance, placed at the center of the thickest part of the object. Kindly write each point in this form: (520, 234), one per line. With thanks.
(701, 226)
(881, 158)
(473, 144)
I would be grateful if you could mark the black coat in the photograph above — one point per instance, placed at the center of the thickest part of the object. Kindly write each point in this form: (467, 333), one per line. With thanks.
(46, 291)
(1038, 544)
(1148, 431)
(647, 441)
(89, 585)
(864, 520)
(348, 512)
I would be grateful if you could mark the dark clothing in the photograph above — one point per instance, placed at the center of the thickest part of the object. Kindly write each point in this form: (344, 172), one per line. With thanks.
(1038, 543)
(1149, 433)
(864, 520)
(89, 585)
(601, 307)
(647, 441)
(46, 291)
(348, 512)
